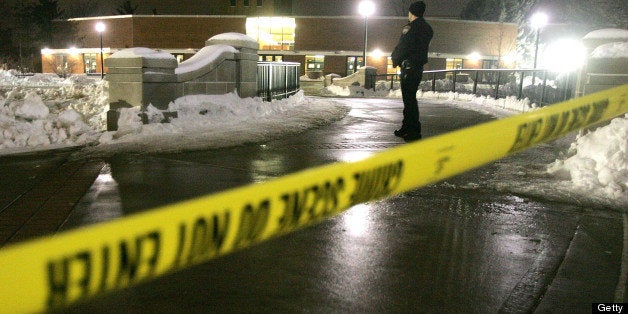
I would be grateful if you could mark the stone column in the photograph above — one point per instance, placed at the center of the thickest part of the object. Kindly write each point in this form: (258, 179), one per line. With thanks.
(246, 60)
(139, 77)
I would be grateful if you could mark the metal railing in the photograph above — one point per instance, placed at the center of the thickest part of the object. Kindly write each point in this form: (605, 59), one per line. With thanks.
(496, 83)
(277, 80)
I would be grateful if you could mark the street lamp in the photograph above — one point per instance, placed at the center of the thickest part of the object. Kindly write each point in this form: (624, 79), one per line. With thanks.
(100, 28)
(366, 9)
(538, 21)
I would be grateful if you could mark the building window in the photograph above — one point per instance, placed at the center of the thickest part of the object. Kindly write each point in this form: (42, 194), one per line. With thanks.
(453, 64)
(259, 3)
(233, 3)
(314, 66)
(247, 3)
(90, 61)
(389, 67)
(353, 63)
(272, 33)
(490, 64)
(271, 58)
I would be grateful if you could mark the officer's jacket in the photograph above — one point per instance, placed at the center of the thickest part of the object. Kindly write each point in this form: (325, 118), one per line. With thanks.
(414, 43)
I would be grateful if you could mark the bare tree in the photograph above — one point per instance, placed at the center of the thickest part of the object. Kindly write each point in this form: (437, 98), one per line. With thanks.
(62, 65)
(127, 8)
(84, 8)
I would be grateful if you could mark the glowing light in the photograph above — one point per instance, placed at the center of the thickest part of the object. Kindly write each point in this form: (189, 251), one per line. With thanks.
(73, 51)
(564, 55)
(509, 58)
(46, 51)
(100, 27)
(539, 20)
(366, 8)
(474, 56)
(377, 53)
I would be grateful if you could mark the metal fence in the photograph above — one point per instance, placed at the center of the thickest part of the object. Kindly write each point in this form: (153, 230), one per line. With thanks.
(543, 87)
(277, 80)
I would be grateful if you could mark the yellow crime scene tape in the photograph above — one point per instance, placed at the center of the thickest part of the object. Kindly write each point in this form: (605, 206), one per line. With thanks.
(56, 271)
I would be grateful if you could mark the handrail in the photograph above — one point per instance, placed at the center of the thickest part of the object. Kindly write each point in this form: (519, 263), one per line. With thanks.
(277, 80)
(497, 83)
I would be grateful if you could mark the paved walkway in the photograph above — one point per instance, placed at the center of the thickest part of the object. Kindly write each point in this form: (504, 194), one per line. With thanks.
(455, 246)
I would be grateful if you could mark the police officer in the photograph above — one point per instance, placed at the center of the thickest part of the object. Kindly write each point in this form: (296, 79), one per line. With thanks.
(411, 54)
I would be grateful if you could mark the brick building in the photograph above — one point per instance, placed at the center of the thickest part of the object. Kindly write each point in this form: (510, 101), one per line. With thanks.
(322, 45)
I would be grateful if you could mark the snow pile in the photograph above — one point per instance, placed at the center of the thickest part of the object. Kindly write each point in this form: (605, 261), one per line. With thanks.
(608, 33)
(511, 103)
(598, 161)
(216, 121)
(611, 50)
(468, 101)
(45, 111)
(381, 90)
(28, 122)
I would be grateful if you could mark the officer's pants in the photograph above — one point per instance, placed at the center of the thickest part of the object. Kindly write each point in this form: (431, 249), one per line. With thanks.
(410, 80)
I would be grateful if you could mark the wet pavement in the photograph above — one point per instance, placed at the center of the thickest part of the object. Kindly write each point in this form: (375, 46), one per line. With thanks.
(455, 246)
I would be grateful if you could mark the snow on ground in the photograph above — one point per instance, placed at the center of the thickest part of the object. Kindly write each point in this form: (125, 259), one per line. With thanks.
(44, 112)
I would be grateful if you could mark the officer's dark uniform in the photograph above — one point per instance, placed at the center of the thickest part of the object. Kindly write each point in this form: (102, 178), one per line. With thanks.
(411, 54)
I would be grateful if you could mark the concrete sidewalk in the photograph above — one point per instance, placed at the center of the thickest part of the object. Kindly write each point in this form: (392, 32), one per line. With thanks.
(455, 246)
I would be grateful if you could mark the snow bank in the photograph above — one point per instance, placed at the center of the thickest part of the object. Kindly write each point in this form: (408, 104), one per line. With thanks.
(607, 33)
(498, 107)
(216, 121)
(74, 113)
(598, 160)
(611, 50)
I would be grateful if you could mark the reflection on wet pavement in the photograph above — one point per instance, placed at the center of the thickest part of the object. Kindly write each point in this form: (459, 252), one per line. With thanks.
(454, 246)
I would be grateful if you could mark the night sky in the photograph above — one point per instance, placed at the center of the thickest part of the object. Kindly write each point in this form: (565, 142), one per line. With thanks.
(435, 8)
(450, 8)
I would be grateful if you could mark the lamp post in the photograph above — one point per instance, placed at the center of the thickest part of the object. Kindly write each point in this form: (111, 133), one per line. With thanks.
(538, 21)
(100, 28)
(366, 9)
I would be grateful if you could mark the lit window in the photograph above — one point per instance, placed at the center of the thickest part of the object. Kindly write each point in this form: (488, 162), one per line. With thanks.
(389, 67)
(272, 33)
(353, 63)
(314, 63)
(271, 58)
(453, 64)
(90, 62)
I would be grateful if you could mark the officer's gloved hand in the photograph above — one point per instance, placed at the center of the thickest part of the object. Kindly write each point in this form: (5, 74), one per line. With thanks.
(406, 65)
